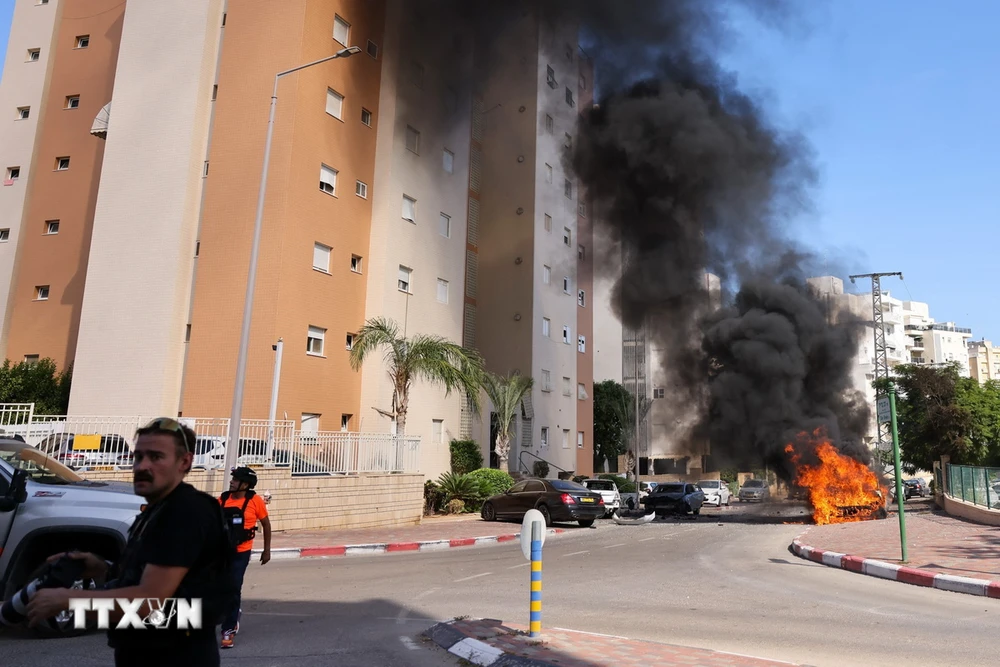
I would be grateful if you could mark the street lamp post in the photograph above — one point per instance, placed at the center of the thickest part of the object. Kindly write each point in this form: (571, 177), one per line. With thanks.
(236, 415)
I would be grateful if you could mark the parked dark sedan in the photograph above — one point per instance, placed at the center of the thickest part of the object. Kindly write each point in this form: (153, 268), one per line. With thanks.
(675, 498)
(556, 499)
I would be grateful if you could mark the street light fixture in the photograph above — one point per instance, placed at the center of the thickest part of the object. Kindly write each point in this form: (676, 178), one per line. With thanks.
(232, 444)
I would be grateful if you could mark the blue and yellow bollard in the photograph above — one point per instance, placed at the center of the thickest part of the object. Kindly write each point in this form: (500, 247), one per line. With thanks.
(535, 627)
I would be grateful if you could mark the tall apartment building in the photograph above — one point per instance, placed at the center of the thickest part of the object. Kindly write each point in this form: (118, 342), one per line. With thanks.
(135, 146)
(984, 360)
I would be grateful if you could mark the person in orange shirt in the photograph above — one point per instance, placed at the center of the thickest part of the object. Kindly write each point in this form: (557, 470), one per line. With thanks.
(243, 508)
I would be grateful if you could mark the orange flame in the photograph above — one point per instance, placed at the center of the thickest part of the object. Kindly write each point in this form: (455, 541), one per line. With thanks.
(840, 489)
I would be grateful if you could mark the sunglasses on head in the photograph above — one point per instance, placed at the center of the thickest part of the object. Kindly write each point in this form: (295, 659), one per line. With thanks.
(171, 425)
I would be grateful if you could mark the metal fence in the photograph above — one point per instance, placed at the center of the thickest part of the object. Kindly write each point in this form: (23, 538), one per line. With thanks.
(974, 484)
(105, 443)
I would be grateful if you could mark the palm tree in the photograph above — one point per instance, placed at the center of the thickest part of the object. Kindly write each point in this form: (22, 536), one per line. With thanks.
(431, 358)
(506, 394)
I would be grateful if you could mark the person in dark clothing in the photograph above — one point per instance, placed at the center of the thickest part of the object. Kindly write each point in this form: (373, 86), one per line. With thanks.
(177, 548)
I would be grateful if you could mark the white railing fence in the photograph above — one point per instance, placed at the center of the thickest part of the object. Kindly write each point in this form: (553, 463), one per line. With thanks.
(106, 443)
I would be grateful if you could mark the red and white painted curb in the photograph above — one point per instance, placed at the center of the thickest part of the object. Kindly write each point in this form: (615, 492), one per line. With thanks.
(392, 547)
(893, 572)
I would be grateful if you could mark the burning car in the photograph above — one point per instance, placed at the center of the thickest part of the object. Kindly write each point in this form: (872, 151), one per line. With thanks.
(674, 498)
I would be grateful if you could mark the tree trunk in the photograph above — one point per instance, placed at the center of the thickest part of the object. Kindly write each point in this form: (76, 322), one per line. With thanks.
(503, 450)
(401, 431)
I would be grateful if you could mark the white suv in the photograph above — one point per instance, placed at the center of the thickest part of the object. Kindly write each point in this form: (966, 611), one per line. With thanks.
(608, 490)
(716, 492)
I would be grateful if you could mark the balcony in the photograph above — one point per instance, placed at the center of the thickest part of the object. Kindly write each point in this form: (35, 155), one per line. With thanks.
(946, 327)
(917, 360)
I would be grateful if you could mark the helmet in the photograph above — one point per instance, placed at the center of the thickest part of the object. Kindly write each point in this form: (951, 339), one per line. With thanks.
(246, 475)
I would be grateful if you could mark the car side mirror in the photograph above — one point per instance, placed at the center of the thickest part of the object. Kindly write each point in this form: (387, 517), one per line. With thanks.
(17, 491)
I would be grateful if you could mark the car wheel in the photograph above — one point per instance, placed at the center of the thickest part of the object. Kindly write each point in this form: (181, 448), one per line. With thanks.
(586, 523)
(729, 500)
(545, 514)
(696, 512)
(489, 512)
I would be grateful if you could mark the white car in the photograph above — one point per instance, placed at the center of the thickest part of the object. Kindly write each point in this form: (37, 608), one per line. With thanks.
(716, 492)
(609, 492)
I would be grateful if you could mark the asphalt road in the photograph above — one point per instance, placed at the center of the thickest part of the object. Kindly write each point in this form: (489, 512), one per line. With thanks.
(732, 587)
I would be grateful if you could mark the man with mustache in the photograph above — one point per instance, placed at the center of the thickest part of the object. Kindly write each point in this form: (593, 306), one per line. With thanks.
(177, 548)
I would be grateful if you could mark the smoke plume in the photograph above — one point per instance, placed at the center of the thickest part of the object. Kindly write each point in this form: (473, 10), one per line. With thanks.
(687, 175)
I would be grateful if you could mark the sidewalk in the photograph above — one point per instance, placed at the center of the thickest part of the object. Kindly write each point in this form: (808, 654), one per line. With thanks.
(433, 533)
(499, 644)
(943, 551)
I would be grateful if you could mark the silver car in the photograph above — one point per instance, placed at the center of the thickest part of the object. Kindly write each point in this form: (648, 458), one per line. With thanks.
(753, 490)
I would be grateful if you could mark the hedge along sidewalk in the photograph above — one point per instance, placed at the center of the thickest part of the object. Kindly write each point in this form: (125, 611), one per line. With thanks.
(431, 534)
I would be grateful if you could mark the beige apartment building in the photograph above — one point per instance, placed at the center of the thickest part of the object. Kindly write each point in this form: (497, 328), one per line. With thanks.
(984, 360)
(133, 154)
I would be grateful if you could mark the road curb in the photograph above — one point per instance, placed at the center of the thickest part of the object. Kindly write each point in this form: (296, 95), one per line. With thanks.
(391, 547)
(475, 651)
(894, 572)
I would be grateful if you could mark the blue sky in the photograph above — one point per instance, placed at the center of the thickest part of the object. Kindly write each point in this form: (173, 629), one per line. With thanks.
(899, 99)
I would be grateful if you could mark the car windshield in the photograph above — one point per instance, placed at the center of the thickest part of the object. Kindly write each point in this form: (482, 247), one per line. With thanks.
(708, 485)
(563, 485)
(753, 483)
(670, 488)
(40, 468)
(601, 485)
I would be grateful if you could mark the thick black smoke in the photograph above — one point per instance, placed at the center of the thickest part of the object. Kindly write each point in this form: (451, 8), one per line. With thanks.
(687, 175)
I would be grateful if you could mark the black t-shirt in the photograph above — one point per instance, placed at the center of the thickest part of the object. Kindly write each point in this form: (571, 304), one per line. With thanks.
(185, 531)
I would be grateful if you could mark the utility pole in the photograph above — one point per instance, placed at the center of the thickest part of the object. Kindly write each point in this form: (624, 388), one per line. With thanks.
(881, 358)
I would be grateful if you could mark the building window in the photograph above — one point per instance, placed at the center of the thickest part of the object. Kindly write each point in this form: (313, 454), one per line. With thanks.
(366, 117)
(341, 30)
(13, 173)
(345, 422)
(548, 173)
(34, 55)
(314, 341)
(403, 283)
(548, 222)
(566, 335)
(546, 274)
(73, 102)
(4, 235)
(41, 293)
(437, 431)
(328, 180)
(545, 436)
(31, 358)
(567, 236)
(321, 257)
(565, 438)
(581, 344)
(581, 299)
(372, 49)
(583, 82)
(550, 124)
(23, 113)
(657, 392)
(215, 93)
(417, 74)
(579, 439)
(581, 391)
(567, 383)
(568, 142)
(581, 252)
(546, 327)
(569, 97)
(83, 41)
(355, 264)
(350, 342)
(550, 76)
(565, 284)
(412, 140)
(448, 161)
(444, 225)
(546, 380)
(62, 164)
(582, 209)
(334, 104)
(51, 226)
(442, 293)
(568, 189)
(361, 189)
(409, 208)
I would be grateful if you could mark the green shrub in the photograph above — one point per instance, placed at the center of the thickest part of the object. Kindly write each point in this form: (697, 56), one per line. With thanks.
(454, 506)
(465, 456)
(461, 487)
(491, 481)
(433, 497)
(541, 469)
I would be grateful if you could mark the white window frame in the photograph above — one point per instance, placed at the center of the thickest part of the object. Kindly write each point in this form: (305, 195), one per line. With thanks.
(444, 225)
(581, 391)
(546, 274)
(448, 161)
(345, 422)
(567, 386)
(23, 113)
(579, 439)
(80, 39)
(414, 134)
(321, 257)
(544, 439)
(363, 113)
(404, 280)
(339, 22)
(565, 438)
(437, 431)
(357, 264)
(566, 334)
(411, 204)
(51, 227)
(658, 392)
(42, 292)
(566, 285)
(334, 104)
(5, 235)
(581, 344)
(568, 189)
(315, 334)
(567, 237)
(72, 102)
(349, 342)
(581, 298)
(546, 327)
(446, 287)
(546, 380)
(34, 55)
(59, 162)
(325, 179)
(548, 173)
(11, 176)
(361, 189)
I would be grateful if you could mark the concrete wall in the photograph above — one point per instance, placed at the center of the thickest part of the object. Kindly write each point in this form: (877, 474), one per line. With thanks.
(316, 503)
(965, 510)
